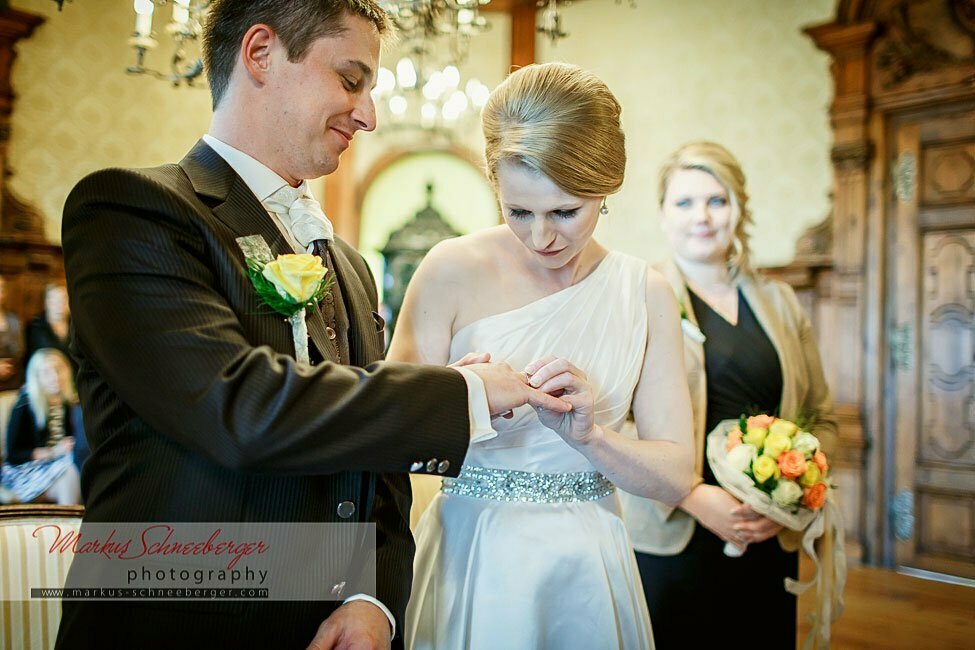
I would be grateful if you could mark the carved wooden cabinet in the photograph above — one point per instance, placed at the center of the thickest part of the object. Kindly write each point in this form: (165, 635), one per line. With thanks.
(27, 260)
(895, 288)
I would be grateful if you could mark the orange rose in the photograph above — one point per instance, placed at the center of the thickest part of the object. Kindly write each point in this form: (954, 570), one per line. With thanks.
(820, 459)
(734, 439)
(759, 422)
(792, 464)
(814, 497)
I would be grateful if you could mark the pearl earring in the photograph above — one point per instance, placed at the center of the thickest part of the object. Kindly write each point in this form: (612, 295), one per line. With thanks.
(603, 209)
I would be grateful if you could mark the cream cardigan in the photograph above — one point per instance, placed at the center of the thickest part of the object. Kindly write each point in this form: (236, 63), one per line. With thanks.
(662, 530)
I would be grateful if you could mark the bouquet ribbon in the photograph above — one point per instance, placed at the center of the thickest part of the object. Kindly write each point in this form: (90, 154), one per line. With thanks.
(826, 523)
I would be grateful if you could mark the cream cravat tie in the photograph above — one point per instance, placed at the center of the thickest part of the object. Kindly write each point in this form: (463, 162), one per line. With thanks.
(301, 215)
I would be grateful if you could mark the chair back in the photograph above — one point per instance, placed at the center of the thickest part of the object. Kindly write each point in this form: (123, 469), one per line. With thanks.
(25, 562)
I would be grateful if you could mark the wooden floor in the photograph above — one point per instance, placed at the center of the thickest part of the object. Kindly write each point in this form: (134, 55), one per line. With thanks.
(891, 611)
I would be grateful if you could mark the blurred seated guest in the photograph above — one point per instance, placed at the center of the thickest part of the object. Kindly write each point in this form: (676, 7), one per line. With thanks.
(42, 433)
(11, 344)
(50, 329)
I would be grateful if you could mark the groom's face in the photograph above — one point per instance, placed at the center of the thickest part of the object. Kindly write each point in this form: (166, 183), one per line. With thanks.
(324, 99)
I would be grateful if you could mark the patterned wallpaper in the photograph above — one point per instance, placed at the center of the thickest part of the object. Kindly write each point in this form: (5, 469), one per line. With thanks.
(78, 111)
(739, 72)
(736, 71)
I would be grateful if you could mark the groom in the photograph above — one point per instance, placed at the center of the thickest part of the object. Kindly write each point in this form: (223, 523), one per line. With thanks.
(195, 407)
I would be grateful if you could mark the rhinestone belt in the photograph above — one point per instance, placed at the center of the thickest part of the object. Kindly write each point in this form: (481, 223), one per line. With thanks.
(533, 487)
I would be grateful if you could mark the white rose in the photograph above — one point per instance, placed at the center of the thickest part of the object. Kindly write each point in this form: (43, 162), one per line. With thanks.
(741, 457)
(786, 493)
(806, 443)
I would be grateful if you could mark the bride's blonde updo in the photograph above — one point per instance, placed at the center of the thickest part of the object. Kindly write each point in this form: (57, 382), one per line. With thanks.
(560, 120)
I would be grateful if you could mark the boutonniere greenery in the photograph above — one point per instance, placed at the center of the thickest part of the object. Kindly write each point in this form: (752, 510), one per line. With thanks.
(289, 284)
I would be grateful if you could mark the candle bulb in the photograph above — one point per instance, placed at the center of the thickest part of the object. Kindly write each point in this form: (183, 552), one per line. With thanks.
(181, 12)
(143, 17)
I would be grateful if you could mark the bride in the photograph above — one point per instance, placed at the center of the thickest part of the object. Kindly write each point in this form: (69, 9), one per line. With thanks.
(526, 549)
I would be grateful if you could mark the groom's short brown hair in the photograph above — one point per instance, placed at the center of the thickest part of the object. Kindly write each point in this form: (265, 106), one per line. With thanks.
(298, 23)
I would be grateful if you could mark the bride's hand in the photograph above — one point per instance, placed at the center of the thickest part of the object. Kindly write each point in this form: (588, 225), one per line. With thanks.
(471, 358)
(559, 378)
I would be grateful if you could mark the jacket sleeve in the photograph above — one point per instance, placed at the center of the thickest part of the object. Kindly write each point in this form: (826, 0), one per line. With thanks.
(818, 404)
(21, 432)
(153, 325)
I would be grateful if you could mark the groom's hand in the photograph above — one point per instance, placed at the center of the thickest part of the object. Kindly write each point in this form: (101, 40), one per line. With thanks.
(356, 625)
(507, 390)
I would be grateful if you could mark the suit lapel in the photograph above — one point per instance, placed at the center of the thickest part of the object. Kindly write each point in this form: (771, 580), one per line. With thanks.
(676, 279)
(362, 326)
(236, 206)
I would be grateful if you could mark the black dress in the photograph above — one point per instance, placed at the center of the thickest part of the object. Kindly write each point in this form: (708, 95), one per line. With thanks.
(700, 597)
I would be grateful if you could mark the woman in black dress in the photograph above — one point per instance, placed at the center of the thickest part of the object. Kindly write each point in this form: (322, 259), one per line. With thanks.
(748, 348)
(43, 434)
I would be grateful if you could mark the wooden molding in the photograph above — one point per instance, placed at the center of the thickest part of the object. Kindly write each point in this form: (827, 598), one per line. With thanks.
(393, 155)
(40, 510)
(18, 219)
(843, 40)
(523, 33)
(852, 155)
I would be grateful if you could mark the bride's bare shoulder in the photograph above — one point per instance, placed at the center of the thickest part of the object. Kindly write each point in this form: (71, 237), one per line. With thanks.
(466, 257)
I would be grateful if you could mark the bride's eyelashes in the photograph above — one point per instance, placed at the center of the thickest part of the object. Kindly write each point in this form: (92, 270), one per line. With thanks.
(516, 213)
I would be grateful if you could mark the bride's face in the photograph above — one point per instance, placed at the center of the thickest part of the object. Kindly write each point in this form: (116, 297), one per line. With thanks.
(552, 224)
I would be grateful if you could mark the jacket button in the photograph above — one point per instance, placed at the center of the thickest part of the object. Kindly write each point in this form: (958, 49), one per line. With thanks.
(417, 466)
(346, 509)
(331, 333)
(432, 465)
(443, 466)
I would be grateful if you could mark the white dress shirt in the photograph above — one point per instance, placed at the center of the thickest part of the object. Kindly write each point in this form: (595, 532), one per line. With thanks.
(264, 182)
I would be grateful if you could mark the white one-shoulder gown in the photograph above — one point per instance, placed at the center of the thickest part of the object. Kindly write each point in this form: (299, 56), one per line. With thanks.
(526, 549)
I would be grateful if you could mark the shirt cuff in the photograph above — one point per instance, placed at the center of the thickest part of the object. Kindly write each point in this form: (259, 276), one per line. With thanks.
(477, 407)
(370, 599)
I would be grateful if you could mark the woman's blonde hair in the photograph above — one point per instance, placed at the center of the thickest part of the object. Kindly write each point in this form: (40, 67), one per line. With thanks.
(714, 159)
(32, 386)
(560, 120)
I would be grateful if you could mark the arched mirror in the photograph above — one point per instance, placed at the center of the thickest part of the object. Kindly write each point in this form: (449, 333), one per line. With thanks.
(414, 201)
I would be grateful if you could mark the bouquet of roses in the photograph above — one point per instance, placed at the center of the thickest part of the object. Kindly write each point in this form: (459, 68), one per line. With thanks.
(782, 460)
(779, 470)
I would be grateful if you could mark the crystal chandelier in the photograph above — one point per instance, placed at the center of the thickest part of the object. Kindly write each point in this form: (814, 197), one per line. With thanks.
(550, 20)
(420, 21)
(424, 97)
(426, 91)
(185, 28)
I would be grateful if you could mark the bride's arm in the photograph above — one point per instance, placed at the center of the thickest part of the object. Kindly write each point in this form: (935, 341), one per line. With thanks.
(660, 465)
(423, 329)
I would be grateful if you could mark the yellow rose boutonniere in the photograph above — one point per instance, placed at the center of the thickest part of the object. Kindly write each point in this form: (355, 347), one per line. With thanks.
(289, 285)
(296, 277)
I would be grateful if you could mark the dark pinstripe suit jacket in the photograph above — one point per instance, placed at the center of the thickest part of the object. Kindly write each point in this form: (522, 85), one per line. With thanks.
(196, 410)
